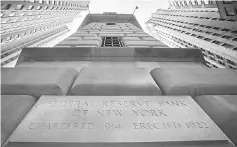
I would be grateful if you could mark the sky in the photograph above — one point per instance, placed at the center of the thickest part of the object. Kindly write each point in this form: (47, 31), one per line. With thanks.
(144, 11)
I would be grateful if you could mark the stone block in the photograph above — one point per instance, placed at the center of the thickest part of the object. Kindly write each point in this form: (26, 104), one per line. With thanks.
(134, 46)
(13, 110)
(112, 59)
(152, 65)
(94, 31)
(114, 32)
(112, 52)
(121, 121)
(195, 81)
(63, 64)
(148, 38)
(111, 34)
(111, 30)
(141, 43)
(68, 43)
(92, 38)
(86, 43)
(52, 54)
(37, 81)
(84, 35)
(80, 32)
(161, 46)
(114, 81)
(137, 35)
(222, 109)
(73, 38)
(131, 38)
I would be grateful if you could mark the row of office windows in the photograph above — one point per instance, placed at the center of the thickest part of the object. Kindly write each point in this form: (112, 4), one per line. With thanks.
(202, 28)
(32, 23)
(55, 2)
(177, 42)
(199, 25)
(188, 28)
(26, 44)
(186, 10)
(207, 54)
(166, 41)
(10, 60)
(198, 2)
(28, 32)
(226, 45)
(29, 19)
(29, 13)
(207, 18)
(192, 2)
(37, 7)
(50, 39)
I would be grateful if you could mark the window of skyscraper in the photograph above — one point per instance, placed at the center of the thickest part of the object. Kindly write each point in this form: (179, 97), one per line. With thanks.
(30, 7)
(226, 37)
(230, 11)
(199, 2)
(227, 1)
(6, 7)
(109, 23)
(206, 2)
(39, 7)
(19, 7)
(111, 42)
(235, 39)
(227, 45)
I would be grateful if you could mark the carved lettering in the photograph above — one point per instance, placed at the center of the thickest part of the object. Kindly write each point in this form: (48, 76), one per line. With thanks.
(172, 103)
(157, 125)
(62, 126)
(144, 112)
(111, 112)
(79, 113)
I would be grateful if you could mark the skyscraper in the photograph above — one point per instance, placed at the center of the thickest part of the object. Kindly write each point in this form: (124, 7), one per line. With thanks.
(111, 83)
(24, 23)
(210, 26)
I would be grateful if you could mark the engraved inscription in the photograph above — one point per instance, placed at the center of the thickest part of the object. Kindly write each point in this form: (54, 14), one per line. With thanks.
(157, 111)
(62, 126)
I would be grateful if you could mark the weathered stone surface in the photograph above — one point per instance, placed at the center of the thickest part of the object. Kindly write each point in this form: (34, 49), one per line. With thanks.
(152, 65)
(37, 81)
(147, 38)
(63, 64)
(142, 43)
(13, 110)
(137, 35)
(114, 81)
(108, 35)
(80, 43)
(92, 38)
(84, 35)
(223, 111)
(195, 81)
(131, 38)
(117, 121)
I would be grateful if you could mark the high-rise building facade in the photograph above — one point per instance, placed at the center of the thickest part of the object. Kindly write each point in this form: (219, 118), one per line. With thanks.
(110, 83)
(200, 24)
(24, 23)
(106, 34)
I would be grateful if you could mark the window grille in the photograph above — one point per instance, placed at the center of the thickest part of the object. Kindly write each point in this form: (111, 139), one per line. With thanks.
(110, 23)
(111, 42)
